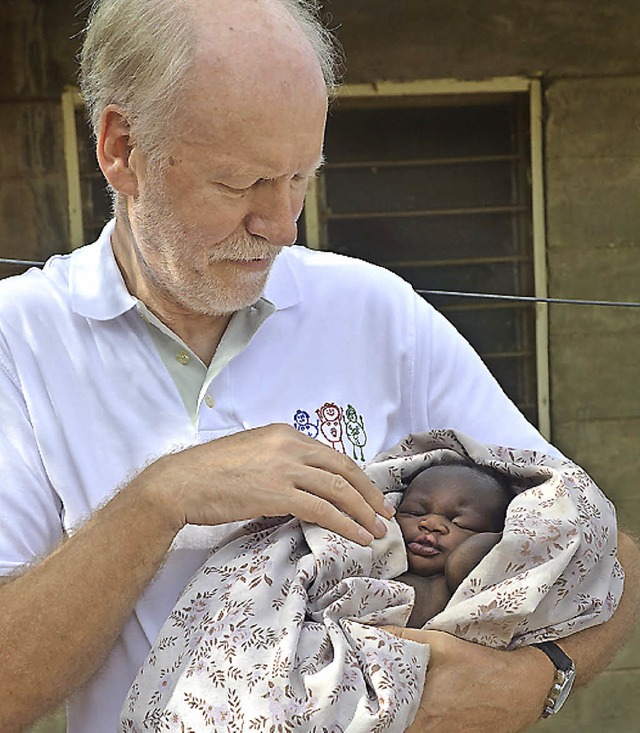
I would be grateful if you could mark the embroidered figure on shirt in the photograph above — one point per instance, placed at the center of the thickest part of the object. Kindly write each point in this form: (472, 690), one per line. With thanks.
(356, 433)
(331, 425)
(302, 423)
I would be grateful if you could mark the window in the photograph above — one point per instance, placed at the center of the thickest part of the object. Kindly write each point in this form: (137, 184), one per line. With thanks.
(439, 188)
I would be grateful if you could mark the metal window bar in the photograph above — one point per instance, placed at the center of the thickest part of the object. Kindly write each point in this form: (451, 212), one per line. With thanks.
(509, 201)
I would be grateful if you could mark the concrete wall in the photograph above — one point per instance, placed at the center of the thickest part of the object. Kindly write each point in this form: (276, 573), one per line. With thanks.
(475, 39)
(593, 183)
(37, 60)
(587, 53)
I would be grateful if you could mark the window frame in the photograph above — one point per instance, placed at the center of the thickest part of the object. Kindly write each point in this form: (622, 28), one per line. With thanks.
(70, 103)
(382, 90)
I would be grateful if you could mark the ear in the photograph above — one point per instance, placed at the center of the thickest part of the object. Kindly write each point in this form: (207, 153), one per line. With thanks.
(115, 151)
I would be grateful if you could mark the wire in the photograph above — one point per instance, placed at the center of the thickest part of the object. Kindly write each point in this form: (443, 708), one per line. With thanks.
(447, 293)
(20, 263)
(531, 299)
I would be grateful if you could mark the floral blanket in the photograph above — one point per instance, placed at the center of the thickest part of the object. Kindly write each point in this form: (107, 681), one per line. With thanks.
(278, 629)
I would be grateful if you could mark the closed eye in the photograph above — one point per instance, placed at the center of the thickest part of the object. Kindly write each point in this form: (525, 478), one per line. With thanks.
(469, 525)
(297, 181)
(460, 523)
(300, 181)
(231, 191)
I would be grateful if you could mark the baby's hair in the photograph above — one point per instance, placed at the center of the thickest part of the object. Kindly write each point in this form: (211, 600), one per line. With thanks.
(450, 458)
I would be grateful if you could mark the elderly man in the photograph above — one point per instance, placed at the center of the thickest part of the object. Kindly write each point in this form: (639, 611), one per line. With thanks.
(145, 380)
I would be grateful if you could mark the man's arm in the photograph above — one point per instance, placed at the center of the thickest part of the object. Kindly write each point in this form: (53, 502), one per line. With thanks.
(473, 688)
(61, 617)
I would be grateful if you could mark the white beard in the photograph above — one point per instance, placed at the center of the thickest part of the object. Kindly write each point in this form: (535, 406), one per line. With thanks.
(190, 270)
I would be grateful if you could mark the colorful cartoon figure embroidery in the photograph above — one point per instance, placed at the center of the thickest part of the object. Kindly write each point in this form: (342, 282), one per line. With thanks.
(356, 433)
(302, 423)
(331, 425)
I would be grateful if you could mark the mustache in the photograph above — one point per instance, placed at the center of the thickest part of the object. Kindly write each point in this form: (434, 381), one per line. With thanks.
(244, 247)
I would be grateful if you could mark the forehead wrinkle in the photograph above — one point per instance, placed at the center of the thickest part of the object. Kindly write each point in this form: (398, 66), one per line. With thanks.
(252, 169)
(258, 169)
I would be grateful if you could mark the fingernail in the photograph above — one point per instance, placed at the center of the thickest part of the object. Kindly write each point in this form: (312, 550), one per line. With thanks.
(381, 527)
(365, 536)
(389, 509)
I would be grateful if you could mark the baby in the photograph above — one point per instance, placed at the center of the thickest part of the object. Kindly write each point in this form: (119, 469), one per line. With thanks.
(451, 515)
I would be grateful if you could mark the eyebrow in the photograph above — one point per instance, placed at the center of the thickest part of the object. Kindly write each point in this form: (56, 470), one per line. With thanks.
(250, 172)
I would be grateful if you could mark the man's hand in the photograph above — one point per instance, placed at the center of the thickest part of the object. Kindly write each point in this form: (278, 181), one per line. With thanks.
(270, 471)
(474, 689)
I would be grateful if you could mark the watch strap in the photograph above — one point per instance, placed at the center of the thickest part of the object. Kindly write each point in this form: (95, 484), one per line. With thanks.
(556, 655)
(565, 675)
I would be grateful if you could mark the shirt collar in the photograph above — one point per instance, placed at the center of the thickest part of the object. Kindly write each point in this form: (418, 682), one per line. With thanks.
(97, 289)
(96, 286)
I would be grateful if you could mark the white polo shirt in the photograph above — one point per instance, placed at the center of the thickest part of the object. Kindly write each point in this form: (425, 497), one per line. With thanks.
(349, 355)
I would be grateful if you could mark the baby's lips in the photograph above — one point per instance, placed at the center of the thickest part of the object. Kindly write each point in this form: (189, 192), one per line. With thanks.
(426, 539)
(424, 549)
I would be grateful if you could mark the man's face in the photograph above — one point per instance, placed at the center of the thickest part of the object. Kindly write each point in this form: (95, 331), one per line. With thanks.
(441, 508)
(189, 264)
(208, 223)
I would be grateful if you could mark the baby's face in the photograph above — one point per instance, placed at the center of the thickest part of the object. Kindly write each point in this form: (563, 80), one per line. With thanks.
(441, 508)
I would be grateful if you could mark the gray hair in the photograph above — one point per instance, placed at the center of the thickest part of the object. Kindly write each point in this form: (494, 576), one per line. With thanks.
(137, 54)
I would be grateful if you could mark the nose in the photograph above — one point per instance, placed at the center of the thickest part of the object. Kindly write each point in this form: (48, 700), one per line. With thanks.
(434, 523)
(275, 208)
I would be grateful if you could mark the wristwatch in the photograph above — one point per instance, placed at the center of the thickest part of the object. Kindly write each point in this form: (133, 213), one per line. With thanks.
(563, 682)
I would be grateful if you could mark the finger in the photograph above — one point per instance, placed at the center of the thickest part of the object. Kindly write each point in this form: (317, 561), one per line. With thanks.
(313, 453)
(316, 510)
(336, 490)
(340, 464)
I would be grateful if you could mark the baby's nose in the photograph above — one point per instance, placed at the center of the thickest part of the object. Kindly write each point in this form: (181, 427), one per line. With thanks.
(434, 523)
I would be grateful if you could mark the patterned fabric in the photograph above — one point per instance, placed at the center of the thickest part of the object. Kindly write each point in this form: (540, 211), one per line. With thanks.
(555, 569)
(277, 631)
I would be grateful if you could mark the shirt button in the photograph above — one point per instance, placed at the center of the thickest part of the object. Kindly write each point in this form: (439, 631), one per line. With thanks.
(183, 357)
(209, 401)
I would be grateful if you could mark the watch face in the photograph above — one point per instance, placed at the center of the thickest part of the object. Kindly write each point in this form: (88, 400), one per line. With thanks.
(565, 688)
(563, 682)
(560, 691)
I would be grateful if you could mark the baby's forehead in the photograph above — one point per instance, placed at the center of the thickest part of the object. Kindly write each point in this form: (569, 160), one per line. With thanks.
(452, 482)
(449, 473)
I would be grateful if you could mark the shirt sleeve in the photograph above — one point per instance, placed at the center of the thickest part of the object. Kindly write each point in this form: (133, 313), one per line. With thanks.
(30, 510)
(454, 388)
